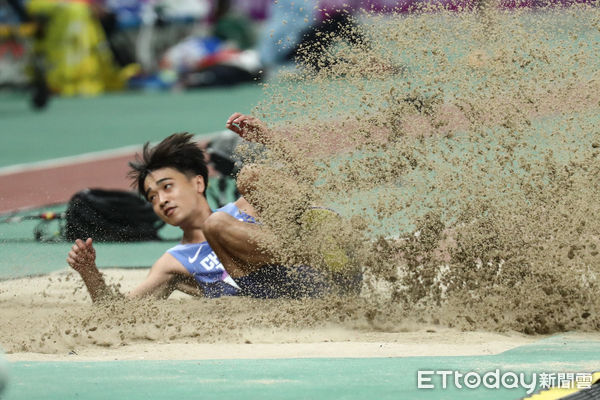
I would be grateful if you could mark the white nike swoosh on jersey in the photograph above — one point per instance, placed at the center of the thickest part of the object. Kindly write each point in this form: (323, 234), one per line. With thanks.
(192, 259)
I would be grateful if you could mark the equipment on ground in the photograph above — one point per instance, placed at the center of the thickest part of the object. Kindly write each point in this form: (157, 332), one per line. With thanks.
(104, 215)
(110, 216)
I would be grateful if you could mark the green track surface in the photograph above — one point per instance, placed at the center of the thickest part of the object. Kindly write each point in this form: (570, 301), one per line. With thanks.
(337, 378)
(71, 126)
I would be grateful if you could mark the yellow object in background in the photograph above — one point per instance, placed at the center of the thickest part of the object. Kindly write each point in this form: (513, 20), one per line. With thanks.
(78, 58)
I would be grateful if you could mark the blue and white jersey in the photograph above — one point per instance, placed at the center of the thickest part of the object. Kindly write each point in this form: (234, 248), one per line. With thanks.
(202, 262)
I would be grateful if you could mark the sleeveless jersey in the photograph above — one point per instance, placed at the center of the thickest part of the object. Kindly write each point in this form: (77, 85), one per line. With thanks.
(202, 262)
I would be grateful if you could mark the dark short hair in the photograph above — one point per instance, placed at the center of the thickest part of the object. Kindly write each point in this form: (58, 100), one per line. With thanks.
(177, 151)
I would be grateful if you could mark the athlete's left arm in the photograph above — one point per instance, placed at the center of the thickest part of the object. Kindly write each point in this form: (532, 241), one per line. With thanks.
(166, 275)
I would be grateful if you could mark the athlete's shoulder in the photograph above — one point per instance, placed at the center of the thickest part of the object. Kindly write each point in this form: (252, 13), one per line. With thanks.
(182, 247)
(169, 263)
(230, 209)
(244, 206)
(188, 253)
(238, 211)
(187, 248)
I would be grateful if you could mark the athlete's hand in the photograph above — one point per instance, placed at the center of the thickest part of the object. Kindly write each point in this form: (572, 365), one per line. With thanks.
(82, 256)
(248, 127)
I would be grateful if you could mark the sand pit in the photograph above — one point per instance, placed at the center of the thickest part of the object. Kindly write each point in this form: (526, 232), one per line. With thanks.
(51, 318)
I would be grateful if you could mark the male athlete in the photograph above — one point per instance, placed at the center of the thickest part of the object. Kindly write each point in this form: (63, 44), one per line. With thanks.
(219, 253)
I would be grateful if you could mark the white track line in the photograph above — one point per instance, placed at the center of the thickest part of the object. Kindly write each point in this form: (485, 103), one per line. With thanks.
(85, 157)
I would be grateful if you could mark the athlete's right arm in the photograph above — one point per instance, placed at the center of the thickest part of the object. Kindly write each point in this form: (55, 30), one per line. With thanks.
(248, 179)
(254, 130)
(166, 275)
(249, 128)
(82, 258)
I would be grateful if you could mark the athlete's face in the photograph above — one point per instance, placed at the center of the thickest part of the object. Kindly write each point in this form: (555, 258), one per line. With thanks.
(174, 196)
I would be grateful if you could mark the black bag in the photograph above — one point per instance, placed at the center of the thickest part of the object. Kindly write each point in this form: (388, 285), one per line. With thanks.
(110, 216)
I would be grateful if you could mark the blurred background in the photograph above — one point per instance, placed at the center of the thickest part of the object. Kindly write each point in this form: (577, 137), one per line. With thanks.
(89, 47)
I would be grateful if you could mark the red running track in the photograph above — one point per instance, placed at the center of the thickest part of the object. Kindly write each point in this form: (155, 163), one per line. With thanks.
(41, 186)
